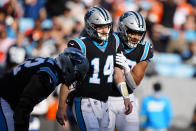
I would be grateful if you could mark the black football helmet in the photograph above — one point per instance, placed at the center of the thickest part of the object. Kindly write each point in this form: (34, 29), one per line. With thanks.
(73, 65)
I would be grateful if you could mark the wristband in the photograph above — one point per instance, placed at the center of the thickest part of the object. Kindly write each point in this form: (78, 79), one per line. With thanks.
(122, 87)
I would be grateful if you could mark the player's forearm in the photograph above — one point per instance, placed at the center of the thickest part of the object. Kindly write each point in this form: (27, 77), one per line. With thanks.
(139, 71)
(120, 82)
(118, 75)
(130, 81)
(64, 91)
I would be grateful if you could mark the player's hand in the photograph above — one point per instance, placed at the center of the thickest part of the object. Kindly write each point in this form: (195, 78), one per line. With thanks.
(61, 116)
(128, 106)
(122, 61)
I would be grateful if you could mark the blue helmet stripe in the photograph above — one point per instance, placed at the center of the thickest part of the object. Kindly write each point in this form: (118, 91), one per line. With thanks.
(105, 12)
(142, 20)
(136, 17)
(102, 12)
(81, 44)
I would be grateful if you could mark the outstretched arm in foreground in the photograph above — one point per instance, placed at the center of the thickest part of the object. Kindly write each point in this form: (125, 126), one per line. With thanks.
(61, 112)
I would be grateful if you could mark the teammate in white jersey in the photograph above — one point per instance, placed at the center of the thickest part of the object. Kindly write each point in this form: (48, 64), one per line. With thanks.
(131, 31)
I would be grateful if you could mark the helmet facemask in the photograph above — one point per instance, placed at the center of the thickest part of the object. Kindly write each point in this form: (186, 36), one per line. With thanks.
(132, 28)
(134, 38)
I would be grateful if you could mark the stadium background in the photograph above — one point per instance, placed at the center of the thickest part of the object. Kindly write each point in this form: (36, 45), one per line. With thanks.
(31, 28)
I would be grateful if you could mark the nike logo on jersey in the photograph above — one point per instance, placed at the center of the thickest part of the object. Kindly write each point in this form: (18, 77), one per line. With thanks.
(71, 44)
(50, 80)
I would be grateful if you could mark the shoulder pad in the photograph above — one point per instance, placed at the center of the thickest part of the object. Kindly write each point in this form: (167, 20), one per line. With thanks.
(147, 42)
(147, 49)
(117, 40)
(80, 42)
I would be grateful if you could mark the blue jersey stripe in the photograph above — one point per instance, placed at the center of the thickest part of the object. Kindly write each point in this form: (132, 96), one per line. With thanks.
(46, 69)
(3, 123)
(117, 41)
(129, 50)
(145, 53)
(79, 115)
(81, 44)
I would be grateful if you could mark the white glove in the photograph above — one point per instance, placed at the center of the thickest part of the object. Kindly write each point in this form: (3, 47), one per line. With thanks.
(122, 61)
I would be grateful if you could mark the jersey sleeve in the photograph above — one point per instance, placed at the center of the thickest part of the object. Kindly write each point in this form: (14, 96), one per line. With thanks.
(47, 77)
(120, 48)
(148, 52)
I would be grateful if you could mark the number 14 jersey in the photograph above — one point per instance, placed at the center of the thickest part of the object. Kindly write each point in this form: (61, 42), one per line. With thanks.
(98, 81)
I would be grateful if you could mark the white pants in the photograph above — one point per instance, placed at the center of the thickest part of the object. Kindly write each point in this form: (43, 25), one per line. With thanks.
(117, 117)
(91, 114)
(6, 116)
(150, 129)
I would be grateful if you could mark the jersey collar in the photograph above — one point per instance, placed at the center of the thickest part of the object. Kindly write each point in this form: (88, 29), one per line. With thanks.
(127, 50)
(100, 47)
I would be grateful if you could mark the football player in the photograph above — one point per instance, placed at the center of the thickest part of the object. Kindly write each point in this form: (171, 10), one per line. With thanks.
(34, 80)
(100, 45)
(131, 31)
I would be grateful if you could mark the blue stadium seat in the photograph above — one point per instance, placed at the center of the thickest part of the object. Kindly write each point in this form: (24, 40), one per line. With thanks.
(47, 24)
(25, 24)
(171, 65)
(167, 58)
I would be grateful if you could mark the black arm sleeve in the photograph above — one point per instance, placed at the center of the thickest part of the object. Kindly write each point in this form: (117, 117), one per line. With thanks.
(33, 93)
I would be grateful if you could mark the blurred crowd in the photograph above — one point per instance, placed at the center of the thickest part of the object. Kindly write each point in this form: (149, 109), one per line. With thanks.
(31, 28)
